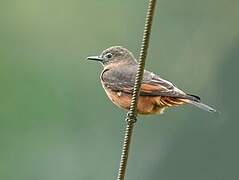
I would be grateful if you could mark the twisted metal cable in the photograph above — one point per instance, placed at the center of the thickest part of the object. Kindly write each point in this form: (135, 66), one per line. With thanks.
(132, 114)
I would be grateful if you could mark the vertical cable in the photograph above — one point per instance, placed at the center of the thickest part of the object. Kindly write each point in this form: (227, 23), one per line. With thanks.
(132, 114)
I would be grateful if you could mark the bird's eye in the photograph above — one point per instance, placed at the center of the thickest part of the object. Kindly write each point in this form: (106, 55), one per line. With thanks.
(108, 55)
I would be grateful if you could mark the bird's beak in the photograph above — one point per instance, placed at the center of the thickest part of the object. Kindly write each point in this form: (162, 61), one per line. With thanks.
(95, 58)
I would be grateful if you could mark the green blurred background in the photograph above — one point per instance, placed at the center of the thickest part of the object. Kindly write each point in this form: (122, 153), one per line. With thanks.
(55, 120)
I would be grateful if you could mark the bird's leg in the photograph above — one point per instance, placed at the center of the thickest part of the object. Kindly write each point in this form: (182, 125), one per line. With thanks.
(130, 118)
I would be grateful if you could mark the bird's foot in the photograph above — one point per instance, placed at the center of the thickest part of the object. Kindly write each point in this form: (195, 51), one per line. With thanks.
(130, 118)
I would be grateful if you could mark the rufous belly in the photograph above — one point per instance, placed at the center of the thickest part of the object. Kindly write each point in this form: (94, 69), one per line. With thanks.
(146, 104)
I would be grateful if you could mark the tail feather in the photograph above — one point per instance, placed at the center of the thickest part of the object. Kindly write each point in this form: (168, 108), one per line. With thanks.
(202, 106)
(194, 97)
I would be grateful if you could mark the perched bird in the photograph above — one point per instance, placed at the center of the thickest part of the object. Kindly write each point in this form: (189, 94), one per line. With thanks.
(156, 94)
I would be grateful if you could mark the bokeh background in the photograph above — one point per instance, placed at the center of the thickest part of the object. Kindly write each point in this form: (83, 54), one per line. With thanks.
(55, 120)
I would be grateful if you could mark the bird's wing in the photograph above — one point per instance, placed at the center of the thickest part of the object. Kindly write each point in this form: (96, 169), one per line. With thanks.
(119, 79)
(152, 85)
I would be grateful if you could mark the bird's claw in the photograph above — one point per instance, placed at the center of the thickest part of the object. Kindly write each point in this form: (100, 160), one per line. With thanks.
(130, 118)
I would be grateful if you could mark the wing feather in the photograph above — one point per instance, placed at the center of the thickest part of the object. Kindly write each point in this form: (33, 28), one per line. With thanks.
(152, 85)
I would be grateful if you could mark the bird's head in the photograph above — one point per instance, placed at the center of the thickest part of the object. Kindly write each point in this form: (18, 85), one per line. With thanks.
(114, 54)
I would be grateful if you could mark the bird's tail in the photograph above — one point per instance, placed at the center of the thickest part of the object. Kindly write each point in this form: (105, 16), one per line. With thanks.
(196, 101)
(202, 106)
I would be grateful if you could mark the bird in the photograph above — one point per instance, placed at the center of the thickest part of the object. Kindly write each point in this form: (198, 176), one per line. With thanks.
(155, 95)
